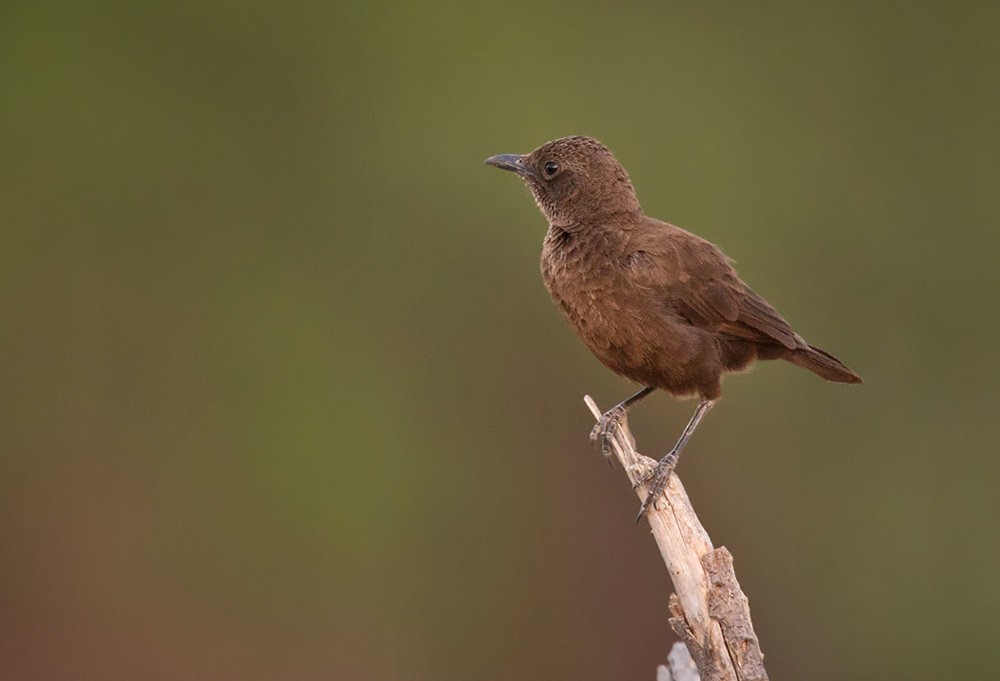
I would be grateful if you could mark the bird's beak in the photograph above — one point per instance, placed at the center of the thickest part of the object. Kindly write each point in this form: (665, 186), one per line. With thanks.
(511, 162)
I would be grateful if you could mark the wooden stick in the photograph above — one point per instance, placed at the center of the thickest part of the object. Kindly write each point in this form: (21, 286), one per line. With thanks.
(709, 611)
(679, 667)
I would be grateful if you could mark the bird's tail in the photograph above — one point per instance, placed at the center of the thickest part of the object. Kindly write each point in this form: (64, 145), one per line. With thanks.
(823, 364)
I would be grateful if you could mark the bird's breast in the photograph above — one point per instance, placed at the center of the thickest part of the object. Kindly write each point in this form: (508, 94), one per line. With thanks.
(581, 280)
(609, 309)
(622, 318)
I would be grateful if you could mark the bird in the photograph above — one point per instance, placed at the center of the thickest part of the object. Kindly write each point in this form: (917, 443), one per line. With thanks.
(654, 303)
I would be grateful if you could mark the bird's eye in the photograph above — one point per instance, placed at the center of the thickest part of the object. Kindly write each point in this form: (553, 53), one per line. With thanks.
(551, 168)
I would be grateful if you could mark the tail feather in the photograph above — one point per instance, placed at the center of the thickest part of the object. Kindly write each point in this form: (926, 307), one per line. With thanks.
(822, 364)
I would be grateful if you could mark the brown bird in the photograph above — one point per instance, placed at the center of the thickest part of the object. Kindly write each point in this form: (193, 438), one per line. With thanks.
(656, 304)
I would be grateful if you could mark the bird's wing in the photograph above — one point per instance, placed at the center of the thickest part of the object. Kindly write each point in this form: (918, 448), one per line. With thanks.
(699, 282)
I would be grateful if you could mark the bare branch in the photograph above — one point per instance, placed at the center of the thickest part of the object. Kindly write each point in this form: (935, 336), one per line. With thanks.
(679, 667)
(708, 610)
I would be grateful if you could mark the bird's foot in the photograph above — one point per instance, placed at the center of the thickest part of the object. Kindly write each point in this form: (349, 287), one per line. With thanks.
(657, 479)
(605, 428)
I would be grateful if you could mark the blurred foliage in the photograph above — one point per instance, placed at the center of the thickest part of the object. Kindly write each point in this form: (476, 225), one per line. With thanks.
(283, 395)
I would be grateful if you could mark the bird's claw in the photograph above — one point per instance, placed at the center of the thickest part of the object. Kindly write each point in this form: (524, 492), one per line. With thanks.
(605, 428)
(657, 478)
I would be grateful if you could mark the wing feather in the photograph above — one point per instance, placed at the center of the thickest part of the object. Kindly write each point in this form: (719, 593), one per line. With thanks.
(697, 279)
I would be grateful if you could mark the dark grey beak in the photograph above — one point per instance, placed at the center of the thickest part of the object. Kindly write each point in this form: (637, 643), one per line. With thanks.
(512, 162)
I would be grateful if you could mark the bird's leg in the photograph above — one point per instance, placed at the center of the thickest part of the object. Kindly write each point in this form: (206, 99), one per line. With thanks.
(661, 473)
(610, 419)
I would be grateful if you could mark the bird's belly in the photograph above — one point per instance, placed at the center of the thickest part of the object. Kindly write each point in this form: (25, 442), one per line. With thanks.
(638, 339)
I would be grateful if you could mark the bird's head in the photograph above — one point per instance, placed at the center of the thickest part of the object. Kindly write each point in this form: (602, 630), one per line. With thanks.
(575, 181)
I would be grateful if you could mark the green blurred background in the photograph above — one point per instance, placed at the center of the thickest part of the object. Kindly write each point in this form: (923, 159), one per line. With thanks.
(283, 396)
